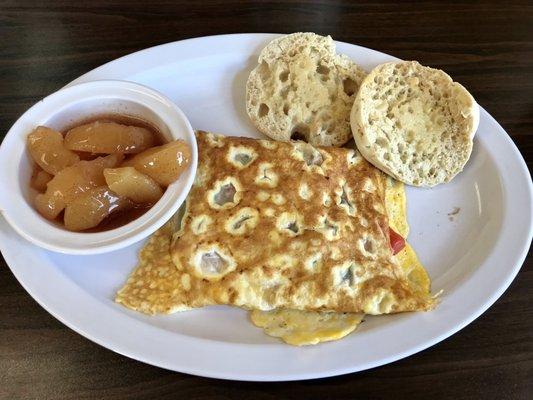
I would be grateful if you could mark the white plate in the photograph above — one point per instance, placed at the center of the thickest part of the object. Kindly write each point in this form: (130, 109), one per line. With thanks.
(473, 258)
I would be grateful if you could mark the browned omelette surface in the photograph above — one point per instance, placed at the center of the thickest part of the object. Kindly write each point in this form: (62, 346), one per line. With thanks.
(276, 225)
(154, 287)
(283, 225)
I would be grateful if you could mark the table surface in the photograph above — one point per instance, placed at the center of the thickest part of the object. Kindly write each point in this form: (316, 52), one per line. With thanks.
(487, 46)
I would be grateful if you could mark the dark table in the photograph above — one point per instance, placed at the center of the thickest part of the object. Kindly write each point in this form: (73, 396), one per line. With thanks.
(487, 46)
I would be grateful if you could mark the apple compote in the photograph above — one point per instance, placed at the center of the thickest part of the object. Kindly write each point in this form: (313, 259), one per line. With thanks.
(103, 173)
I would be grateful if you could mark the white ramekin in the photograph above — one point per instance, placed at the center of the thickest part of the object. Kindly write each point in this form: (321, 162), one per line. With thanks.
(63, 109)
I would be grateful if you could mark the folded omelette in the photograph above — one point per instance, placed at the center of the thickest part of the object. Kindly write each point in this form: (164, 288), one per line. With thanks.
(278, 225)
(312, 327)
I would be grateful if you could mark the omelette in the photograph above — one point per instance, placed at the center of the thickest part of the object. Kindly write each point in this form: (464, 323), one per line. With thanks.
(301, 328)
(287, 227)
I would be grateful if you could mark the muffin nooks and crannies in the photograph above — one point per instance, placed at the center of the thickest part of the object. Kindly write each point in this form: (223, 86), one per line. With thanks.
(414, 123)
(302, 89)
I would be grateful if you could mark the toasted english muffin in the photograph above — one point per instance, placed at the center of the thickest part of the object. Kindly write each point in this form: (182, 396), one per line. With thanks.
(302, 89)
(414, 123)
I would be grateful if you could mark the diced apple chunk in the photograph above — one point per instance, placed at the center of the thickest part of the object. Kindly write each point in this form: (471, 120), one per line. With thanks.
(72, 181)
(47, 149)
(40, 179)
(90, 208)
(164, 164)
(134, 185)
(108, 138)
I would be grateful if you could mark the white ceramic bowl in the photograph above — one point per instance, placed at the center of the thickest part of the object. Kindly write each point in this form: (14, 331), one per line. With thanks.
(63, 109)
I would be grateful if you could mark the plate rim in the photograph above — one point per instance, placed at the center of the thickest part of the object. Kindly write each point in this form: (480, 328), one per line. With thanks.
(112, 345)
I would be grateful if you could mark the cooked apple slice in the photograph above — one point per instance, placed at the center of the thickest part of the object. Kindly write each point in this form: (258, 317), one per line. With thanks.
(134, 185)
(88, 209)
(46, 147)
(72, 181)
(108, 138)
(40, 179)
(164, 164)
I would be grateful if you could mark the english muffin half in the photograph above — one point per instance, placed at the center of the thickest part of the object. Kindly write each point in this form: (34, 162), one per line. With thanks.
(302, 89)
(414, 123)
